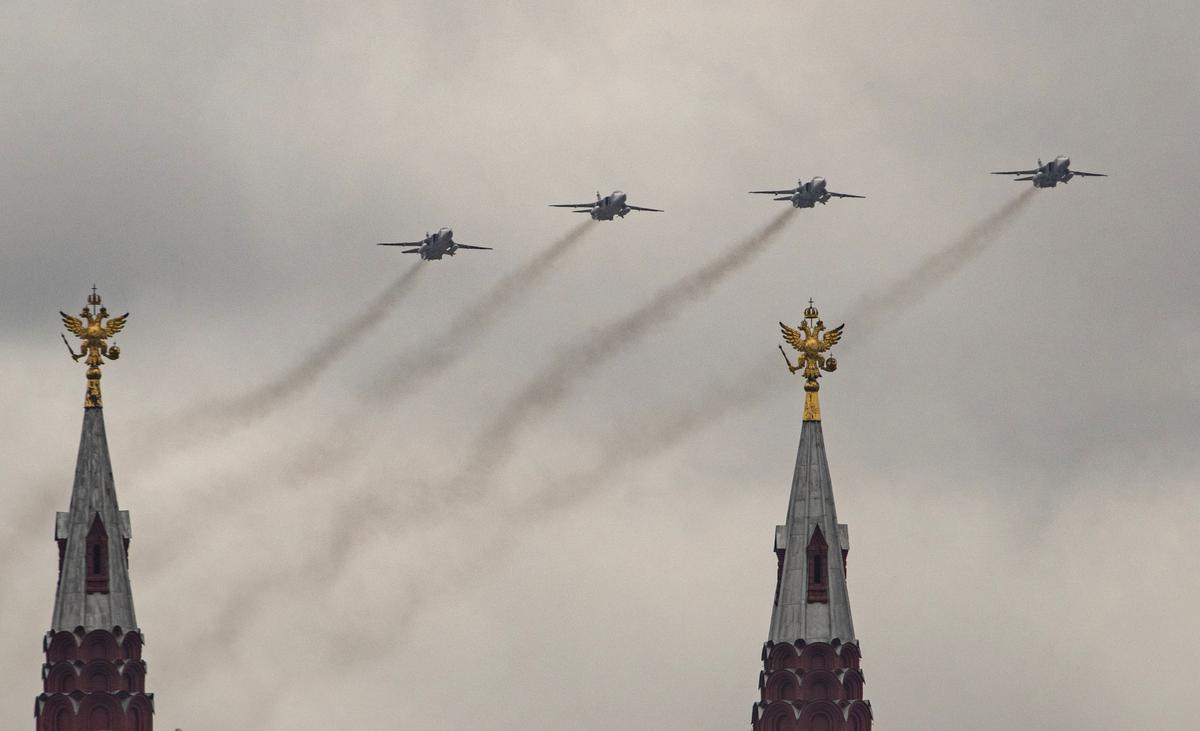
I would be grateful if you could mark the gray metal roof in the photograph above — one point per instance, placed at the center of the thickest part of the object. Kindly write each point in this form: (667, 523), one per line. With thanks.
(811, 505)
(93, 494)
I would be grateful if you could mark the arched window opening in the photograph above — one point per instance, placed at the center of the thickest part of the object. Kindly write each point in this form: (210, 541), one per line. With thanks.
(821, 722)
(781, 722)
(61, 720)
(97, 558)
(62, 681)
(818, 567)
(100, 718)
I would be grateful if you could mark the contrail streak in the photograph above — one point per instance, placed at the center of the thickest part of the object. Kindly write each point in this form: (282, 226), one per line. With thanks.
(408, 372)
(580, 359)
(207, 418)
(936, 268)
(265, 399)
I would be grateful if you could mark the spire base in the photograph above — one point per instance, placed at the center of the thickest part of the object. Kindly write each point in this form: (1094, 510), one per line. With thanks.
(812, 406)
(92, 399)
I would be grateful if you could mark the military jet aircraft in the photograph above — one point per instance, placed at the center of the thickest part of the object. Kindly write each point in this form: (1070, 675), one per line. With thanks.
(807, 195)
(1052, 173)
(435, 245)
(605, 208)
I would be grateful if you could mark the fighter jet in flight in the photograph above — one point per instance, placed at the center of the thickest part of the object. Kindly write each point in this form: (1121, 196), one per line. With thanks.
(807, 195)
(435, 245)
(1052, 173)
(605, 207)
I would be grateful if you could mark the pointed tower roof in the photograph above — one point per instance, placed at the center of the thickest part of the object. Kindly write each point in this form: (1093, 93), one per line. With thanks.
(93, 585)
(812, 603)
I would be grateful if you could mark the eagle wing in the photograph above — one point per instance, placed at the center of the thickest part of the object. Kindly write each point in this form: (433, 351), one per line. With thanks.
(793, 337)
(832, 337)
(115, 325)
(74, 324)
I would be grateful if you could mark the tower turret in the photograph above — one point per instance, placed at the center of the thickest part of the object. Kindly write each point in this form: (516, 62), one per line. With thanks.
(811, 678)
(94, 675)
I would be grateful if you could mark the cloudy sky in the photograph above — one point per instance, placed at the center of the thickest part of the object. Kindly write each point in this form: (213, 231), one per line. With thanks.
(1014, 452)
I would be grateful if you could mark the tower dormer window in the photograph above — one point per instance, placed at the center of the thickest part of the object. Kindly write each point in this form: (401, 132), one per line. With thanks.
(97, 558)
(818, 567)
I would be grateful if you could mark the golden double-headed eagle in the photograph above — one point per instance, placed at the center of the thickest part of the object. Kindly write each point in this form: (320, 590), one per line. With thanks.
(93, 333)
(812, 341)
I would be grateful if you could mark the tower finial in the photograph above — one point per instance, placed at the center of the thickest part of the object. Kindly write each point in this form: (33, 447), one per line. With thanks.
(811, 340)
(93, 342)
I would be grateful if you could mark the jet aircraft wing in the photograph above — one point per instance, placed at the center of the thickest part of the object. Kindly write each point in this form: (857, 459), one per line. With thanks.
(639, 208)
(1090, 175)
(572, 205)
(844, 195)
(1016, 172)
(468, 246)
(401, 243)
(775, 192)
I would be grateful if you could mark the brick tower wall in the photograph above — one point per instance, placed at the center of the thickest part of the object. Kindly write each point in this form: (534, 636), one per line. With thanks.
(811, 687)
(94, 681)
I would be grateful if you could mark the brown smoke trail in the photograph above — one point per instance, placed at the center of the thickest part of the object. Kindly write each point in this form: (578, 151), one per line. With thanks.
(936, 268)
(267, 398)
(578, 360)
(207, 418)
(409, 371)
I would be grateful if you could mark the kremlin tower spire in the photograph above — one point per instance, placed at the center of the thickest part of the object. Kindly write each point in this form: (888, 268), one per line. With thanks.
(94, 675)
(811, 680)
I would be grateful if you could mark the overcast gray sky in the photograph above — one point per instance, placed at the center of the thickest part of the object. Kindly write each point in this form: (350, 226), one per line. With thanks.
(1015, 454)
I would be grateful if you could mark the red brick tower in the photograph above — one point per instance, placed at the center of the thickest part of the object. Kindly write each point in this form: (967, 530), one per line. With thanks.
(94, 675)
(811, 678)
